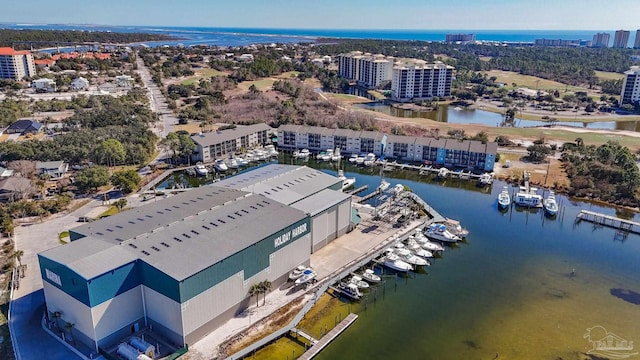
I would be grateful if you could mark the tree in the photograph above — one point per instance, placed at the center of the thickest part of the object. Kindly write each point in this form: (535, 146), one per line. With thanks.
(91, 178)
(18, 256)
(538, 152)
(126, 180)
(265, 287)
(110, 152)
(254, 290)
(579, 142)
(120, 204)
(6, 224)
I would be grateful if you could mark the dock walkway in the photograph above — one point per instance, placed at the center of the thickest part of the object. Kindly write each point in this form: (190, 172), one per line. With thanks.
(299, 332)
(330, 336)
(608, 220)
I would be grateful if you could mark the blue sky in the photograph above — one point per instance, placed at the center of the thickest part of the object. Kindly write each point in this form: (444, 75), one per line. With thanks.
(334, 14)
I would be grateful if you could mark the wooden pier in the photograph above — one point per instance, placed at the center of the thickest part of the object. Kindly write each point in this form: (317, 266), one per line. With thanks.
(609, 221)
(299, 332)
(358, 190)
(330, 336)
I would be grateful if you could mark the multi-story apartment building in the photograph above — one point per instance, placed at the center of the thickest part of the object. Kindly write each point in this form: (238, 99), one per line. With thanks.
(450, 38)
(216, 144)
(621, 39)
(600, 40)
(314, 138)
(417, 80)
(631, 86)
(16, 65)
(636, 43)
(452, 153)
(368, 70)
(348, 65)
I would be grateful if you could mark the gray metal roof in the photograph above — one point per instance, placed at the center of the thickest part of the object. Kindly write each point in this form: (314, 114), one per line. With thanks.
(321, 201)
(477, 147)
(217, 137)
(400, 139)
(371, 135)
(284, 183)
(454, 144)
(424, 141)
(49, 164)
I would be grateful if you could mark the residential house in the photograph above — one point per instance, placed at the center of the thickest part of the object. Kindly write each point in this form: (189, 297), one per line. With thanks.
(55, 169)
(216, 144)
(79, 83)
(245, 58)
(44, 63)
(124, 81)
(44, 85)
(14, 188)
(24, 126)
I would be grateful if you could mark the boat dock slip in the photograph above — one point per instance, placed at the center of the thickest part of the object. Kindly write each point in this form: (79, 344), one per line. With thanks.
(299, 332)
(610, 221)
(358, 190)
(315, 349)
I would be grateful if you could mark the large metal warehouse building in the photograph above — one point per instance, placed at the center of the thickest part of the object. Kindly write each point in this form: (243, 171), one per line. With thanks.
(183, 265)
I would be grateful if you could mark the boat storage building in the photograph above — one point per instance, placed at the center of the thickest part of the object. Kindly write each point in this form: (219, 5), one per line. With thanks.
(184, 265)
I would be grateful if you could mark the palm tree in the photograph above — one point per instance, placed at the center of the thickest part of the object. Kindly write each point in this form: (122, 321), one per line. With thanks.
(254, 290)
(265, 287)
(579, 142)
(18, 255)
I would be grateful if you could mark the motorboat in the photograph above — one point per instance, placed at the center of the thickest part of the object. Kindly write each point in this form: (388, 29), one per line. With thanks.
(397, 189)
(302, 154)
(431, 246)
(369, 160)
(346, 182)
(550, 205)
(485, 179)
(241, 161)
(504, 199)
(528, 198)
(357, 281)
(439, 232)
(417, 249)
(191, 171)
(393, 261)
(328, 155)
(455, 228)
(443, 173)
(407, 256)
(384, 185)
(250, 157)
(260, 155)
(321, 155)
(353, 158)
(297, 272)
(220, 165)
(201, 170)
(336, 155)
(270, 150)
(307, 276)
(370, 276)
(232, 163)
(349, 290)
(360, 159)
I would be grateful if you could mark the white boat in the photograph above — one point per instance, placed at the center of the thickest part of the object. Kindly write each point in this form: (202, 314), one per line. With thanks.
(370, 276)
(232, 163)
(270, 151)
(397, 189)
(346, 182)
(336, 155)
(550, 205)
(250, 157)
(384, 185)
(260, 154)
(528, 198)
(455, 228)
(443, 173)
(485, 179)
(392, 261)
(369, 160)
(307, 276)
(220, 165)
(297, 272)
(321, 155)
(201, 170)
(302, 154)
(241, 161)
(360, 159)
(417, 249)
(349, 290)
(439, 232)
(407, 256)
(328, 155)
(504, 199)
(353, 158)
(357, 281)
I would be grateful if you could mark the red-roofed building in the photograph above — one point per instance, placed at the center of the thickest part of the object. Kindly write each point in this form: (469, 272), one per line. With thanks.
(45, 63)
(16, 65)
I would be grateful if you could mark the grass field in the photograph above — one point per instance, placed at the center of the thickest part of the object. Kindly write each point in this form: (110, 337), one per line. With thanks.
(262, 84)
(531, 82)
(202, 73)
(606, 75)
(289, 75)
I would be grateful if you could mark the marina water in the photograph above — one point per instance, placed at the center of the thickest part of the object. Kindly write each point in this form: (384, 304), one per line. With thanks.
(522, 287)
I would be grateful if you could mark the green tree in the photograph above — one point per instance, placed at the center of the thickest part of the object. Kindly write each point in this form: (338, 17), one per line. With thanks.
(254, 290)
(265, 287)
(126, 180)
(91, 178)
(18, 254)
(120, 204)
(538, 152)
(110, 152)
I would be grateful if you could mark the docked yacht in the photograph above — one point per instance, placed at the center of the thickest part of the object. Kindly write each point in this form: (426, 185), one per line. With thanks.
(550, 205)
(407, 256)
(443, 173)
(504, 199)
(201, 170)
(336, 156)
(297, 272)
(370, 276)
(220, 165)
(369, 160)
(250, 157)
(384, 185)
(393, 261)
(232, 163)
(353, 158)
(346, 182)
(270, 150)
(241, 161)
(357, 281)
(302, 154)
(307, 276)
(321, 155)
(328, 155)
(349, 290)
(455, 228)
(485, 179)
(417, 249)
(528, 198)
(439, 232)
(360, 159)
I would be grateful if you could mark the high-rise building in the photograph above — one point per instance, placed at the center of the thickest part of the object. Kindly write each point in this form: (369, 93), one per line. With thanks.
(450, 38)
(348, 65)
(636, 44)
(417, 80)
(631, 86)
(368, 70)
(601, 40)
(621, 39)
(16, 64)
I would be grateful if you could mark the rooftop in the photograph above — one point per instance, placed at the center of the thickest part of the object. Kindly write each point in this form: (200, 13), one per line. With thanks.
(11, 51)
(216, 137)
(321, 201)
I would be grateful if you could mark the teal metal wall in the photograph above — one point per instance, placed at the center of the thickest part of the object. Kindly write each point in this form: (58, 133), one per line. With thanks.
(107, 286)
(72, 283)
(159, 281)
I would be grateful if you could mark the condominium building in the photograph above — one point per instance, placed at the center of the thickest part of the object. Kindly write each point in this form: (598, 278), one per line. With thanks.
(621, 39)
(631, 86)
(636, 44)
(368, 70)
(348, 65)
(417, 80)
(315, 138)
(216, 144)
(16, 65)
(600, 40)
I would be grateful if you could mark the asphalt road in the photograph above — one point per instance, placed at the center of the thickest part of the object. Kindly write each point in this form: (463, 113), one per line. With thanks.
(157, 101)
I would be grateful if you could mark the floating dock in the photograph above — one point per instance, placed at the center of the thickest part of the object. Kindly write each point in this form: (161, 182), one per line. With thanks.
(609, 221)
(330, 336)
